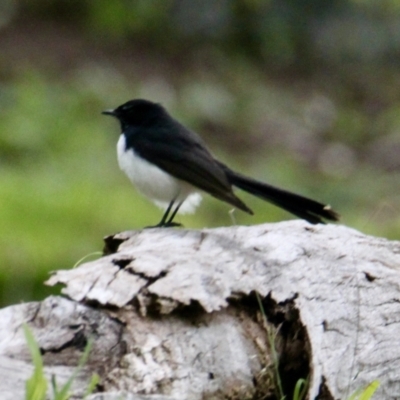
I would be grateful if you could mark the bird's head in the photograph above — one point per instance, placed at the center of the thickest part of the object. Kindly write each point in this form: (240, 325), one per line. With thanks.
(136, 112)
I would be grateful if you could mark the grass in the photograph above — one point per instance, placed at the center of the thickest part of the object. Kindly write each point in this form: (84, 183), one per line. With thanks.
(366, 393)
(300, 390)
(37, 385)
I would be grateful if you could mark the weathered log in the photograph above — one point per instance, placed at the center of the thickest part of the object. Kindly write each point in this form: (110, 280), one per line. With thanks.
(175, 314)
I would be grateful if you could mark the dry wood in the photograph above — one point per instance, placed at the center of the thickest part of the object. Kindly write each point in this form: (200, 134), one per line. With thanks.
(174, 315)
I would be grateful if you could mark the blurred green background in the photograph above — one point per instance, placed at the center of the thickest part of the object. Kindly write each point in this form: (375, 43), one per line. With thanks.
(303, 94)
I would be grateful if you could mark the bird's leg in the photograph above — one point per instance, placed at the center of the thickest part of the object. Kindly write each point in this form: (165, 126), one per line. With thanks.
(164, 223)
(167, 211)
(169, 222)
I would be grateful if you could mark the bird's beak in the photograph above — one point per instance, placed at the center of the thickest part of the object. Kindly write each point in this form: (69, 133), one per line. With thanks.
(109, 112)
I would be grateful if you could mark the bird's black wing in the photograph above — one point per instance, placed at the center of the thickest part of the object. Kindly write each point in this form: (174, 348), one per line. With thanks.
(182, 154)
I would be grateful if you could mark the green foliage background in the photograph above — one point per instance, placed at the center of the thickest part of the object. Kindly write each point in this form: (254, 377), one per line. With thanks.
(302, 94)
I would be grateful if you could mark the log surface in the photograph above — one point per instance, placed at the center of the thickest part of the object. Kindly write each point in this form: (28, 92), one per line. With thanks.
(181, 320)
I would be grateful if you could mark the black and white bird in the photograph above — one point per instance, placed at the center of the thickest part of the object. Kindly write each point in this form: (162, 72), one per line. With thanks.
(171, 165)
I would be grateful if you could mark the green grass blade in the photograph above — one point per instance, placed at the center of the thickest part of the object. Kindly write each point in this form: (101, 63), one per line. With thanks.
(80, 261)
(365, 394)
(369, 391)
(300, 390)
(94, 381)
(64, 393)
(36, 385)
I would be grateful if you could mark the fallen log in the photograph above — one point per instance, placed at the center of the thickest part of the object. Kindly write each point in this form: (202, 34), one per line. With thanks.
(220, 313)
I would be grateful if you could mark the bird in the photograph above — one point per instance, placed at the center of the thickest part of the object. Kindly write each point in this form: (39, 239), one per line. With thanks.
(171, 165)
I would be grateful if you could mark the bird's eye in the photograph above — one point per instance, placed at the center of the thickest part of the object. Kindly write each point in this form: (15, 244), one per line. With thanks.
(126, 107)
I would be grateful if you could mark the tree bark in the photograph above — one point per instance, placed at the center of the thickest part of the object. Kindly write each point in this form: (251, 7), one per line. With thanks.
(181, 314)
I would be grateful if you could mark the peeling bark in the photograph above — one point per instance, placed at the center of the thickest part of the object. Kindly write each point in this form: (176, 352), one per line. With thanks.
(175, 314)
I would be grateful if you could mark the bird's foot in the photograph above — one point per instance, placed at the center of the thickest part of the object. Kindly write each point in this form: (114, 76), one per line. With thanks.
(165, 225)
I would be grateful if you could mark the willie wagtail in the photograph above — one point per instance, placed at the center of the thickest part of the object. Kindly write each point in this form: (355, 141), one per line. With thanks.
(170, 164)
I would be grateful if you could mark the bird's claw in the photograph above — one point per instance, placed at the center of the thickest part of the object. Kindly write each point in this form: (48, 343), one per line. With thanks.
(165, 225)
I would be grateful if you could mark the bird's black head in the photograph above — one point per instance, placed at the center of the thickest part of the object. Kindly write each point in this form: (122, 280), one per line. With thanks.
(137, 112)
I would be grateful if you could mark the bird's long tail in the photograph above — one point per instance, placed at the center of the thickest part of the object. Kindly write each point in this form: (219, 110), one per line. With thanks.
(303, 207)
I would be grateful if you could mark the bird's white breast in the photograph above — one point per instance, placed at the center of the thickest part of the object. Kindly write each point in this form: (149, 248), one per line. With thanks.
(153, 182)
